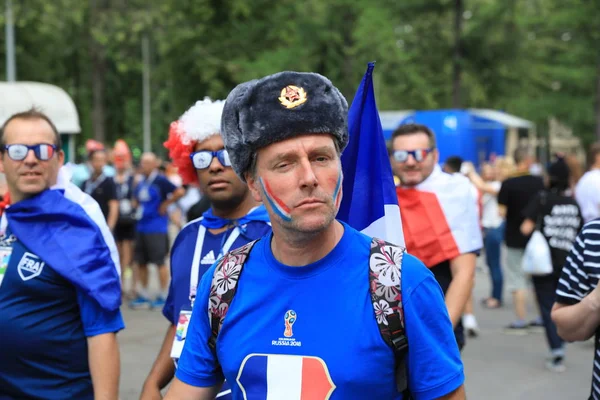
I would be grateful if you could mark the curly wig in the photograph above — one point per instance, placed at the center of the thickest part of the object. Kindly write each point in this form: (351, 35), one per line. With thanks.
(200, 122)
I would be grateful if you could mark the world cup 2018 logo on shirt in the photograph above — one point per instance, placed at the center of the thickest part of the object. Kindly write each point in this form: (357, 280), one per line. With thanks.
(290, 319)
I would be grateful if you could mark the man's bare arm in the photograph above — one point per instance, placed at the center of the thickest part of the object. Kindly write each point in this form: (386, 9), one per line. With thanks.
(162, 371)
(105, 365)
(527, 227)
(502, 210)
(458, 394)
(578, 321)
(113, 214)
(463, 276)
(182, 391)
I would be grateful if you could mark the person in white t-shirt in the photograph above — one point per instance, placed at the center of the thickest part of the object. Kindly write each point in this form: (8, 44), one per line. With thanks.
(456, 165)
(587, 191)
(493, 228)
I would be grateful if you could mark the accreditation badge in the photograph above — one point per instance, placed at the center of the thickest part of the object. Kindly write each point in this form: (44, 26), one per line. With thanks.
(5, 253)
(139, 212)
(144, 194)
(125, 207)
(180, 333)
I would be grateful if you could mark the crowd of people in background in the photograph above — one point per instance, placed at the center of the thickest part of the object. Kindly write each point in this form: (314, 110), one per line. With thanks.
(517, 196)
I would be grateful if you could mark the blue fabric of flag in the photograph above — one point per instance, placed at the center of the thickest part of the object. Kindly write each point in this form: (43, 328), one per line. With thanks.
(368, 180)
(60, 232)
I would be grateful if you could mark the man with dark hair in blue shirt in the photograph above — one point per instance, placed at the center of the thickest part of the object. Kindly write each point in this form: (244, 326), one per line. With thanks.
(60, 291)
(232, 220)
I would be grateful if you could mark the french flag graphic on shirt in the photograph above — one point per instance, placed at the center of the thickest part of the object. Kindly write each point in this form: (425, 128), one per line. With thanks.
(277, 376)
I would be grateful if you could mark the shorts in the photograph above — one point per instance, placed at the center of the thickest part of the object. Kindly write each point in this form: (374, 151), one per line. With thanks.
(124, 232)
(151, 248)
(514, 276)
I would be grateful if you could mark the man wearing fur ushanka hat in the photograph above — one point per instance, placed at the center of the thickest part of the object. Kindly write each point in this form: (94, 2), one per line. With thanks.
(234, 219)
(312, 313)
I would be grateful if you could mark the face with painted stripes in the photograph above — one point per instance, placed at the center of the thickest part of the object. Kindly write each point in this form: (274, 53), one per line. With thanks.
(300, 182)
(30, 175)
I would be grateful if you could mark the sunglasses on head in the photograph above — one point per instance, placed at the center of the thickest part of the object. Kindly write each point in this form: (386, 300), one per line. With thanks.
(419, 154)
(202, 159)
(18, 152)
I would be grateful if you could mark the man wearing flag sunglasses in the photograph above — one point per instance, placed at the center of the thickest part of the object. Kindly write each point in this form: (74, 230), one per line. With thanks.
(234, 219)
(439, 216)
(59, 284)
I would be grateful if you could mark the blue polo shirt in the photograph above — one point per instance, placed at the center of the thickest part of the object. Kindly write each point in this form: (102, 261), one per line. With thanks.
(183, 254)
(44, 325)
(150, 193)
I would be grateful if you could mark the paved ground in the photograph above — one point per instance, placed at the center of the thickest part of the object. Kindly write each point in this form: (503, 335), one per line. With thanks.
(498, 366)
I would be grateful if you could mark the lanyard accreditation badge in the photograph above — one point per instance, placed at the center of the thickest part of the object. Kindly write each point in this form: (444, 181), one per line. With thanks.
(180, 333)
(5, 252)
(185, 314)
(144, 194)
(5, 248)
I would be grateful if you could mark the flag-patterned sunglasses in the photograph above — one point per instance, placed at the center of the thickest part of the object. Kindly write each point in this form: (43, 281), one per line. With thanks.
(419, 154)
(202, 159)
(18, 152)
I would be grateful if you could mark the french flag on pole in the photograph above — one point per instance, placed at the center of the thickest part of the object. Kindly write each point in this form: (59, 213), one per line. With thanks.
(369, 201)
(276, 377)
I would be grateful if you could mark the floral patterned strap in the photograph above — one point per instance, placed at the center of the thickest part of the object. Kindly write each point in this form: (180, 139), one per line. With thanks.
(223, 288)
(385, 278)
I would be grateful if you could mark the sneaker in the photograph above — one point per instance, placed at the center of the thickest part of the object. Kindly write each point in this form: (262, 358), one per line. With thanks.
(556, 364)
(470, 324)
(516, 329)
(139, 303)
(536, 326)
(158, 303)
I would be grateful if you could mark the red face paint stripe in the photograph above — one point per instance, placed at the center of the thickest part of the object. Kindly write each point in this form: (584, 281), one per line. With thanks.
(277, 200)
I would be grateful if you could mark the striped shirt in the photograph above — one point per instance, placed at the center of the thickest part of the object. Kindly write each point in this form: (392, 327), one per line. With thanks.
(579, 277)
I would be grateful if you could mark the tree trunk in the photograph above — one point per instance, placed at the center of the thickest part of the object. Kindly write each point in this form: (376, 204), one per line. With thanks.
(98, 79)
(457, 59)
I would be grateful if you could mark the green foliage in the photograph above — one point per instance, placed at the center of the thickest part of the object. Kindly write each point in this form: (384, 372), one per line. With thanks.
(533, 58)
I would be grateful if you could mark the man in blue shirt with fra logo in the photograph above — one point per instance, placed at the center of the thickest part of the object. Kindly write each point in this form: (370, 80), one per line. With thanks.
(302, 324)
(152, 197)
(60, 290)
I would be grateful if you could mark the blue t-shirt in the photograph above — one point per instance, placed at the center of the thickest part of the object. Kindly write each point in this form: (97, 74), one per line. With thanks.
(44, 323)
(333, 345)
(183, 254)
(150, 193)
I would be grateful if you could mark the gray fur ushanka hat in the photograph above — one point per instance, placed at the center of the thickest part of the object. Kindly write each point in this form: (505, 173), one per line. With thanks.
(278, 107)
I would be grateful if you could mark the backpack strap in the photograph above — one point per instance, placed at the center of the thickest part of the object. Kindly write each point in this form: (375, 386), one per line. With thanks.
(223, 288)
(385, 278)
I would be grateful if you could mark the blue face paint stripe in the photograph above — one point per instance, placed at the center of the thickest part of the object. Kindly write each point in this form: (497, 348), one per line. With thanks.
(338, 186)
